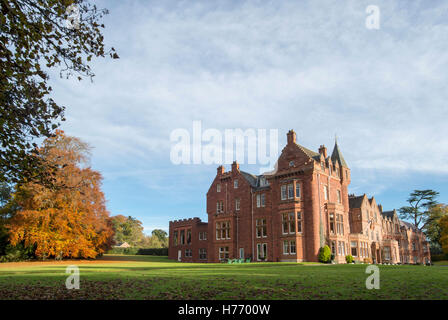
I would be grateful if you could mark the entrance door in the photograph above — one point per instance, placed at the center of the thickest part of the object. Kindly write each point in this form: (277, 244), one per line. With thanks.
(241, 253)
(179, 255)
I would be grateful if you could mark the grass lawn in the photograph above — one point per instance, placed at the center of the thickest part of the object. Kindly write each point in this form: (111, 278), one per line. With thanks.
(149, 277)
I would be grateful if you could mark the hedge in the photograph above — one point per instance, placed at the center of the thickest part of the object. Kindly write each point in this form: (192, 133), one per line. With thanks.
(140, 251)
(439, 257)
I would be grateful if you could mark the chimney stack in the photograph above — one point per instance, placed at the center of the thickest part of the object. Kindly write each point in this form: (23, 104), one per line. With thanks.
(291, 136)
(221, 170)
(323, 151)
(235, 166)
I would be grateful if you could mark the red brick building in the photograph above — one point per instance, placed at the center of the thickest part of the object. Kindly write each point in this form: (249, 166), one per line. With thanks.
(288, 214)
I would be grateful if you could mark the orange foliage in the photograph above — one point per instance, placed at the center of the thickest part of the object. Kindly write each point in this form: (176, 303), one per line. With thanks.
(69, 219)
(444, 233)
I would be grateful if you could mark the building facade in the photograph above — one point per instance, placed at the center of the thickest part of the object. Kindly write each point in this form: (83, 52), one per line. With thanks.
(288, 214)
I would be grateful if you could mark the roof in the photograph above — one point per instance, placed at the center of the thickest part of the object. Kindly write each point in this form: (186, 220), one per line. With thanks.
(355, 202)
(253, 180)
(309, 152)
(336, 156)
(389, 214)
(407, 224)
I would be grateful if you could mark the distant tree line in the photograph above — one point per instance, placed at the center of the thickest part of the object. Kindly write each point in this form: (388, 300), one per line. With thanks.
(130, 230)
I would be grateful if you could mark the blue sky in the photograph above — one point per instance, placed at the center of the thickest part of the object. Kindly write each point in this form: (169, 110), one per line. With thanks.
(311, 66)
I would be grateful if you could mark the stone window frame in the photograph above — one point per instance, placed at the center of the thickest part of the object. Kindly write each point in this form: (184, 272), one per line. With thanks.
(261, 225)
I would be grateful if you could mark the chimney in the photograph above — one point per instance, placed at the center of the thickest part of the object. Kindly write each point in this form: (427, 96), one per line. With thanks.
(381, 208)
(291, 136)
(221, 170)
(323, 151)
(235, 166)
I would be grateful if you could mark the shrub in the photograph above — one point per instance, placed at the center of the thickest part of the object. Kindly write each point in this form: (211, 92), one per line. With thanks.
(367, 260)
(439, 257)
(349, 258)
(324, 254)
(140, 251)
(17, 253)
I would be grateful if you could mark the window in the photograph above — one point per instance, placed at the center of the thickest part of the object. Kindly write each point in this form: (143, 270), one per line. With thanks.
(286, 247)
(354, 246)
(387, 253)
(262, 251)
(260, 226)
(189, 236)
(188, 253)
(203, 235)
(175, 238)
(290, 191)
(337, 171)
(220, 207)
(340, 248)
(283, 188)
(297, 190)
(261, 200)
(223, 230)
(263, 182)
(340, 224)
(237, 204)
(223, 253)
(299, 222)
(292, 247)
(322, 166)
(182, 237)
(326, 193)
(288, 223)
(291, 163)
(218, 187)
(339, 196)
(202, 254)
(235, 184)
(333, 247)
(331, 223)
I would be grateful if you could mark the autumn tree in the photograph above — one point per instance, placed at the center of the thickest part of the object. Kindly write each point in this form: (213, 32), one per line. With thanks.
(68, 219)
(421, 203)
(433, 229)
(127, 229)
(36, 37)
(444, 234)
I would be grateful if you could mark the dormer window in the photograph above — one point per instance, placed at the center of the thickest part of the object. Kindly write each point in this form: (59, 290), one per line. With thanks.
(235, 184)
(218, 187)
(263, 182)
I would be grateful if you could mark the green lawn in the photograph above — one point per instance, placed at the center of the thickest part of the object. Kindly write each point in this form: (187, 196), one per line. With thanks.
(149, 277)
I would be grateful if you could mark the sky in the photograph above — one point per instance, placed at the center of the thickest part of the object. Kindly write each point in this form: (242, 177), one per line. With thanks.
(311, 66)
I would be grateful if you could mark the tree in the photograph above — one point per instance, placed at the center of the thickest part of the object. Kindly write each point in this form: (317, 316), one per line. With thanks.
(421, 202)
(433, 228)
(68, 220)
(444, 234)
(127, 229)
(159, 233)
(35, 37)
